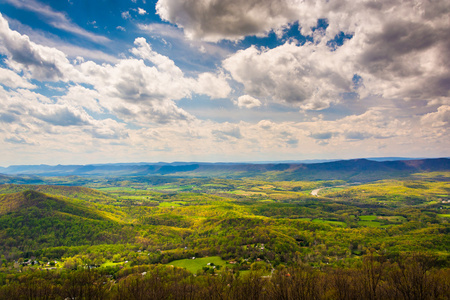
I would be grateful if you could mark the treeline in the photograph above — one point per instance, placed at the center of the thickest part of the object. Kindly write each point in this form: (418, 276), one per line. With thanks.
(416, 276)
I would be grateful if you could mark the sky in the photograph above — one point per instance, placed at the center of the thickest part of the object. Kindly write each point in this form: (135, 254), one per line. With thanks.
(112, 81)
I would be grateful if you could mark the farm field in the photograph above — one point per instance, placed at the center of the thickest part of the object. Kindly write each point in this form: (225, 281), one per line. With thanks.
(194, 264)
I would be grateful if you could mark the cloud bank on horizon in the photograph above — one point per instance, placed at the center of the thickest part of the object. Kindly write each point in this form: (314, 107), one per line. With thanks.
(229, 80)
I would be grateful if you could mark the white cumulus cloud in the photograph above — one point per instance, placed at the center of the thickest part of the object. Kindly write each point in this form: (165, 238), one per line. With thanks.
(142, 11)
(291, 74)
(440, 118)
(11, 79)
(248, 101)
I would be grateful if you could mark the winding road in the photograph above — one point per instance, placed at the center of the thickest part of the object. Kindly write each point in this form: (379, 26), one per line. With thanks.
(316, 192)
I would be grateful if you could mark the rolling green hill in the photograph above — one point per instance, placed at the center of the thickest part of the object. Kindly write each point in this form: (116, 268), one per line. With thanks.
(76, 192)
(31, 220)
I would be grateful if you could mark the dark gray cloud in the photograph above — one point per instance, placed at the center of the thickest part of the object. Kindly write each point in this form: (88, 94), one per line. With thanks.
(389, 48)
(407, 54)
(226, 19)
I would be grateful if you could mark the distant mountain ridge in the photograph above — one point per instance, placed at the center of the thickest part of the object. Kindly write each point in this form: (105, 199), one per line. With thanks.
(343, 169)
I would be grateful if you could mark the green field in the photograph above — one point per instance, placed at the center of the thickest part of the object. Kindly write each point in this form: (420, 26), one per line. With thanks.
(369, 223)
(194, 265)
(112, 264)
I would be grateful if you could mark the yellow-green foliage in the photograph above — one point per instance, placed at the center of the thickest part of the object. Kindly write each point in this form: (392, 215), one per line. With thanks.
(77, 192)
(396, 192)
(11, 202)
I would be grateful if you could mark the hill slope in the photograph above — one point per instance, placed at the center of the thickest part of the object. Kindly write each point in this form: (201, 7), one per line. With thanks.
(76, 192)
(31, 220)
(29, 199)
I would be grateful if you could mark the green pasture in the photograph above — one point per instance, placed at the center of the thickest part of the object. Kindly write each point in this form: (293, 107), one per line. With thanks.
(374, 221)
(111, 264)
(194, 265)
(369, 221)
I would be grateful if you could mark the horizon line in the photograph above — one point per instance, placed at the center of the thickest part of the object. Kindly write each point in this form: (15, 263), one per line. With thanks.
(318, 160)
